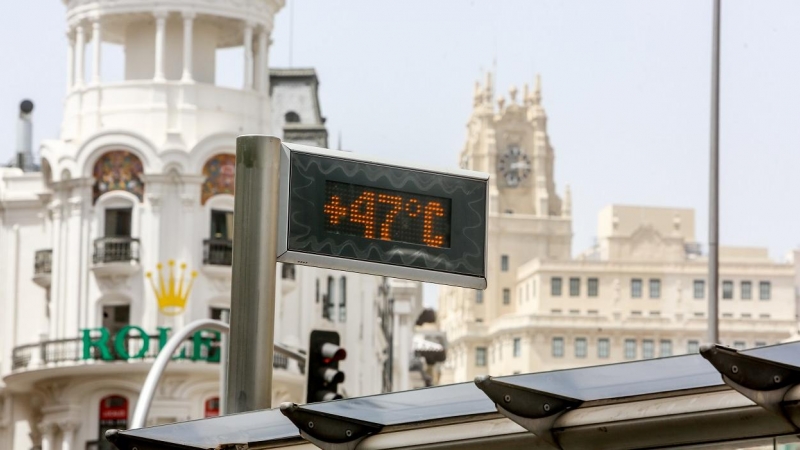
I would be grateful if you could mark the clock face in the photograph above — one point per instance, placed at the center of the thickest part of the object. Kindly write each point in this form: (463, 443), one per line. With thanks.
(514, 166)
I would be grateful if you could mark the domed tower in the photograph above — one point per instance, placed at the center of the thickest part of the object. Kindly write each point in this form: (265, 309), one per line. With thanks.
(168, 93)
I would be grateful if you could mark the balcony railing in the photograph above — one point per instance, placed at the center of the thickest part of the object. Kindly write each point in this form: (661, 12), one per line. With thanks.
(217, 252)
(116, 249)
(43, 262)
(71, 351)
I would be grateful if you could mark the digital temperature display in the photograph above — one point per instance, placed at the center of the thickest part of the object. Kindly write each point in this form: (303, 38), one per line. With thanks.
(348, 212)
(386, 214)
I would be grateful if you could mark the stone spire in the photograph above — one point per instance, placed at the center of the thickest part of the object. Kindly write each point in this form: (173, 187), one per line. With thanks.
(488, 90)
(512, 94)
(566, 205)
(476, 95)
(535, 110)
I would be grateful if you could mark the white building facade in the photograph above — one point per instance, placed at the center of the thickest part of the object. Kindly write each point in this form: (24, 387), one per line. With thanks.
(640, 293)
(126, 232)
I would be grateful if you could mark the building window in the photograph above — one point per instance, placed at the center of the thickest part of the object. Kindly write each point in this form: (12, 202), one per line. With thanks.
(317, 291)
(693, 347)
(699, 289)
(113, 416)
(558, 347)
(727, 315)
(763, 316)
(592, 312)
(630, 348)
(343, 299)
(746, 316)
(292, 117)
(216, 313)
(517, 347)
(506, 296)
(727, 290)
(592, 287)
(480, 356)
(504, 263)
(118, 222)
(211, 407)
(655, 288)
(574, 312)
(763, 290)
(636, 288)
(648, 349)
(655, 313)
(328, 305)
(221, 224)
(479, 296)
(555, 311)
(555, 286)
(580, 347)
(574, 287)
(666, 348)
(739, 345)
(746, 290)
(219, 171)
(603, 348)
(760, 344)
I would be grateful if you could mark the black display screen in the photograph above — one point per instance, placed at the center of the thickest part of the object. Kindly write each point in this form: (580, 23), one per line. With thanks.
(375, 213)
(386, 214)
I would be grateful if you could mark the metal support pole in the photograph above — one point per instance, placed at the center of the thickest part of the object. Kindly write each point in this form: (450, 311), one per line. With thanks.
(713, 190)
(255, 224)
(163, 358)
(223, 363)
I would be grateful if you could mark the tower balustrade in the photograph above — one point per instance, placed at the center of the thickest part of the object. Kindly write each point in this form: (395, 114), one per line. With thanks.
(169, 88)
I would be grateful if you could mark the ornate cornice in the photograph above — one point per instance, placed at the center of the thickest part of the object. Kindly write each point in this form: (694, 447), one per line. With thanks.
(258, 11)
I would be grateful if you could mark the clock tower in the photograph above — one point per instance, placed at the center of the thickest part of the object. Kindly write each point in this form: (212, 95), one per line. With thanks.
(506, 137)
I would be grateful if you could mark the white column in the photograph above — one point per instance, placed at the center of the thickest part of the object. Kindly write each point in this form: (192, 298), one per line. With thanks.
(248, 56)
(70, 60)
(96, 41)
(161, 22)
(80, 46)
(263, 67)
(48, 431)
(188, 22)
(68, 434)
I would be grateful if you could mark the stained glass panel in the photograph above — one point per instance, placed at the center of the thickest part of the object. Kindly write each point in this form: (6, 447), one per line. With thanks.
(219, 172)
(118, 170)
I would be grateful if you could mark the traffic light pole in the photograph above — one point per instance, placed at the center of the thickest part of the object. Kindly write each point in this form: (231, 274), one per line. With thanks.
(255, 224)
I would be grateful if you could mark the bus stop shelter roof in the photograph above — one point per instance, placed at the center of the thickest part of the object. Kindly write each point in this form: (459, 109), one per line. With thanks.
(687, 378)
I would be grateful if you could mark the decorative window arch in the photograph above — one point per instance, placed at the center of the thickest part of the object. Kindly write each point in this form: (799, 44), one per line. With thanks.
(219, 171)
(118, 170)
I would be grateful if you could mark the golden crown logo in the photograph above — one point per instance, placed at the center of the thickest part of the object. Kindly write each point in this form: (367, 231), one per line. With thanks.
(172, 296)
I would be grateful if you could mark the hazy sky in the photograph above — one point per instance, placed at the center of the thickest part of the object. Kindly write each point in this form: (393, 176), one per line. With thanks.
(625, 85)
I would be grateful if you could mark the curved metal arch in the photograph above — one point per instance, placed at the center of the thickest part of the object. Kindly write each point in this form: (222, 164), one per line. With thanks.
(160, 364)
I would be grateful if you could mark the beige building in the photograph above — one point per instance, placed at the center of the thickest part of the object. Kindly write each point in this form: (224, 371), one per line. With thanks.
(639, 293)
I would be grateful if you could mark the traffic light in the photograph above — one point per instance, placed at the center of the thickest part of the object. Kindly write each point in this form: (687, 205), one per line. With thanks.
(323, 373)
